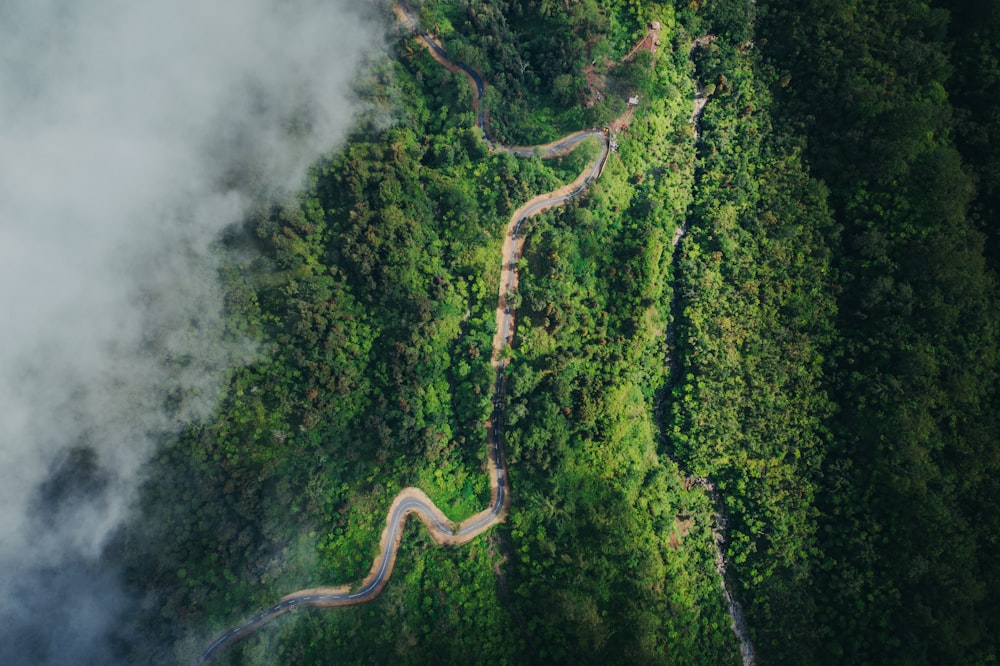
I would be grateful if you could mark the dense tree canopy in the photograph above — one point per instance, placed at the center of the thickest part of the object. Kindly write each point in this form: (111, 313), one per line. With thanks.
(821, 344)
(878, 497)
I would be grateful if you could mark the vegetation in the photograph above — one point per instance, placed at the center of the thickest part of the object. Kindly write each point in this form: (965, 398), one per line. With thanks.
(840, 337)
(755, 325)
(834, 312)
(913, 463)
(543, 60)
(598, 512)
(371, 296)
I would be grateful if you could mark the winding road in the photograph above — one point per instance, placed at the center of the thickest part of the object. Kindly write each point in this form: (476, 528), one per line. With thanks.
(413, 500)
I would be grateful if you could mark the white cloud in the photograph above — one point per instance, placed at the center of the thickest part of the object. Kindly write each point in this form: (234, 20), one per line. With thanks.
(119, 123)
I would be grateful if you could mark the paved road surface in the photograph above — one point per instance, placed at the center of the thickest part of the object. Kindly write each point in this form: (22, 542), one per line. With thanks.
(412, 500)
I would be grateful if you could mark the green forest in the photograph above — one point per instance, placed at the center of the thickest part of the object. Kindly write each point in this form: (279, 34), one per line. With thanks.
(821, 344)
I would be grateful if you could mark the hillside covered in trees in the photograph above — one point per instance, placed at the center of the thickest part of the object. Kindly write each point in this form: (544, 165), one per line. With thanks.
(821, 344)
(842, 326)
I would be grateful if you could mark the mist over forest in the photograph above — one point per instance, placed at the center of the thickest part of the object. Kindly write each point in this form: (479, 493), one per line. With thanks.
(131, 136)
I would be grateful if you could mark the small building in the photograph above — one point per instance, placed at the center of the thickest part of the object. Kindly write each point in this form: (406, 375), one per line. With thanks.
(633, 101)
(655, 25)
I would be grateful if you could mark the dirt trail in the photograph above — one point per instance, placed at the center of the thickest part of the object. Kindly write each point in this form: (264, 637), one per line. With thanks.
(649, 42)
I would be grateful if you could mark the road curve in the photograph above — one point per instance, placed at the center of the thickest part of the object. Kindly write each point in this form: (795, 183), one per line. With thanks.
(413, 500)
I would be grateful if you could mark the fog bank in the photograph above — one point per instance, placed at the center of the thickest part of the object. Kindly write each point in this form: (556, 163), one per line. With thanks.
(128, 134)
